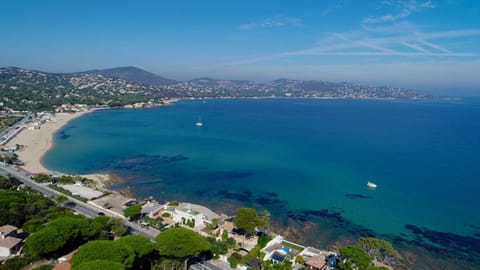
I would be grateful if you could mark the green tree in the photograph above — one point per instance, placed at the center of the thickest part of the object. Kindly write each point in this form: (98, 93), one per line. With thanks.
(357, 258)
(299, 259)
(181, 243)
(235, 259)
(378, 248)
(100, 265)
(247, 220)
(56, 234)
(140, 244)
(44, 242)
(263, 240)
(132, 211)
(112, 251)
(8, 183)
(42, 178)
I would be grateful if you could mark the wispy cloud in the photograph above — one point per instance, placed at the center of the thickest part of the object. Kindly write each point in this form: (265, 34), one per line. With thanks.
(272, 22)
(399, 10)
(416, 44)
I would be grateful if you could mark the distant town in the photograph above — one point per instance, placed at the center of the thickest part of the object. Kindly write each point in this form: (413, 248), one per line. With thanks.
(23, 89)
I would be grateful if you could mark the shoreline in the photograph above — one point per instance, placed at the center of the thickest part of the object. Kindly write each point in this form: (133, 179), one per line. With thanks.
(37, 142)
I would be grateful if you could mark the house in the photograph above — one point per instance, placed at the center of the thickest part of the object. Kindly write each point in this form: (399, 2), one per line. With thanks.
(325, 261)
(151, 209)
(318, 262)
(9, 243)
(183, 214)
(200, 215)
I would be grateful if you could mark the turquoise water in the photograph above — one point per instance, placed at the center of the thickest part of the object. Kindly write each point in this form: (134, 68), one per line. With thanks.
(289, 155)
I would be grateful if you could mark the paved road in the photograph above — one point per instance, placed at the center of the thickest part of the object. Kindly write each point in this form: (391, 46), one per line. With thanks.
(91, 210)
(206, 266)
(10, 132)
(88, 210)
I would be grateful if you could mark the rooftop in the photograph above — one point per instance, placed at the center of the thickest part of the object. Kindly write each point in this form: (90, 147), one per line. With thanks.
(10, 242)
(317, 261)
(8, 229)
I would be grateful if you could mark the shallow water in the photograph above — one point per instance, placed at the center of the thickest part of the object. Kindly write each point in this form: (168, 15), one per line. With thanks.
(292, 155)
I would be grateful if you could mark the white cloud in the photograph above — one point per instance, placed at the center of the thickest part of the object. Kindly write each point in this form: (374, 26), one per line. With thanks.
(272, 22)
(402, 9)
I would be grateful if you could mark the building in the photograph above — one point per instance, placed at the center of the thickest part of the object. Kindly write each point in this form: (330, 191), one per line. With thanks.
(316, 263)
(151, 209)
(9, 243)
(193, 212)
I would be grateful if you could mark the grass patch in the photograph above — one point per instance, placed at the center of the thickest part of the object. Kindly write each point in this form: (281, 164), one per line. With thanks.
(292, 246)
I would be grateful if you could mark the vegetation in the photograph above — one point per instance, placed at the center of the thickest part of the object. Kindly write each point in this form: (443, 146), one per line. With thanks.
(100, 265)
(218, 247)
(292, 246)
(132, 211)
(263, 240)
(8, 121)
(38, 91)
(58, 234)
(235, 259)
(111, 251)
(8, 183)
(378, 248)
(26, 208)
(140, 244)
(17, 263)
(173, 203)
(63, 180)
(357, 258)
(181, 243)
(246, 219)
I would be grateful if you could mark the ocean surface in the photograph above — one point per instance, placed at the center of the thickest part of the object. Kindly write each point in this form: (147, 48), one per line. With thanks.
(297, 158)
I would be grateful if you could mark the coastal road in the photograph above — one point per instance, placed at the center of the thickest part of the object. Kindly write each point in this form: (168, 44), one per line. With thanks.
(86, 209)
(10, 132)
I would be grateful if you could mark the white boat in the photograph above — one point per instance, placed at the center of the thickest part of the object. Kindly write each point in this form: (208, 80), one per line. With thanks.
(199, 123)
(371, 185)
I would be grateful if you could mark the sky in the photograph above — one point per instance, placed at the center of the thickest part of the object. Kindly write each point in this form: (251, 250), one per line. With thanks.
(432, 45)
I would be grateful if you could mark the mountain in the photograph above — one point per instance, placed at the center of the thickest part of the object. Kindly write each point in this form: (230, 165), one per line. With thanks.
(133, 74)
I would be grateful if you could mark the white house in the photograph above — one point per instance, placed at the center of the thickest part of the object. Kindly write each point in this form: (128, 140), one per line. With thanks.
(152, 209)
(183, 214)
(185, 211)
(9, 243)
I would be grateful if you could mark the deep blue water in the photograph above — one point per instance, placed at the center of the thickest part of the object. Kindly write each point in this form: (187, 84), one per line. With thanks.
(288, 155)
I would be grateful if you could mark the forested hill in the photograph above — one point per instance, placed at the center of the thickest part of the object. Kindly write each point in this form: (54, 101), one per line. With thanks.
(24, 89)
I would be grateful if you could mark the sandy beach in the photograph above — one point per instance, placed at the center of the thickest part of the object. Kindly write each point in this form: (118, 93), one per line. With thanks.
(37, 142)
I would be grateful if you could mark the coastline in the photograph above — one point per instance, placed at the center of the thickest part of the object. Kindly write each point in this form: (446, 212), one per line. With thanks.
(37, 142)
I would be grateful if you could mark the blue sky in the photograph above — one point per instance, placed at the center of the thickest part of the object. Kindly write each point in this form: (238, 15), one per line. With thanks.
(423, 44)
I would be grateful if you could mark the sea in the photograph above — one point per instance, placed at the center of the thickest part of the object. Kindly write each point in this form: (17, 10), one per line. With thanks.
(306, 161)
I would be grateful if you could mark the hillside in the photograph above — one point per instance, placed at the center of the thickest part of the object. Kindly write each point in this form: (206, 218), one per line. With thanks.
(133, 74)
(24, 89)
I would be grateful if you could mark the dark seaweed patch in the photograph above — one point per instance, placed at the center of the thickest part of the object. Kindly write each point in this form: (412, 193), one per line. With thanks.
(245, 196)
(63, 135)
(357, 196)
(305, 215)
(263, 200)
(140, 162)
(230, 175)
(445, 240)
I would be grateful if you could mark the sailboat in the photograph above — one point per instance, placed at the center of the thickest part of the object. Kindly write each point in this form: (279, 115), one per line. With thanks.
(371, 185)
(199, 123)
